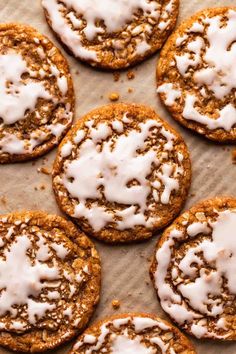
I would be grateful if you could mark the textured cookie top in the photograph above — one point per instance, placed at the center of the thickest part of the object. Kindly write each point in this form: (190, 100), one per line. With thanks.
(133, 333)
(196, 74)
(121, 168)
(194, 270)
(36, 93)
(111, 33)
(49, 280)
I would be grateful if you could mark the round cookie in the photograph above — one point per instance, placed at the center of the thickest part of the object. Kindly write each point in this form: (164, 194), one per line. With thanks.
(196, 74)
(36, 93)
(133, 333)
(49, 281)
(194, 270)
(122, 173)
(112, 34)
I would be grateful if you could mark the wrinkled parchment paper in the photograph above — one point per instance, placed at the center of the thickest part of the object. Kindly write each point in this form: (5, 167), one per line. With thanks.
(124, 268)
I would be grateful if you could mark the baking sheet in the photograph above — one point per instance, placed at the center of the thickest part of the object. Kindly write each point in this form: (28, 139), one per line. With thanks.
(124, 268)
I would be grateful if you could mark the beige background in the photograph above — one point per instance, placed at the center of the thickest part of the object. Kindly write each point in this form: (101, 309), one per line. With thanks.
(124, 268)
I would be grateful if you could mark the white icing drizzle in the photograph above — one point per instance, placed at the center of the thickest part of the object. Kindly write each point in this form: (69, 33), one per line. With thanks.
(141, 323)
(171, 184)
(183, 62)
(211, 55)
(201, 286)
(60, 249)
(142, 47)
(19, 286)
(115, 15)
(66, 149)
(122, 342)
(198, 228)
(112, 162)
(180, 40)
(124, 345)
(17, 97)
(29, 286)
(220, 55)
(198, 330)
(226, 116)
(171, 93)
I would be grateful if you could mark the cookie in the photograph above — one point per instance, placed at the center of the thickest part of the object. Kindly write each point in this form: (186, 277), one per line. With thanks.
(49, 281)
(36, 93)
(112, 34)
(196, 74)
(194, 270)
(122, 173)
(133, 333)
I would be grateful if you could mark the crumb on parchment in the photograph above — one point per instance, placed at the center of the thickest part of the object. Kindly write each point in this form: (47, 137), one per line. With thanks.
(116, 304)
(116, 76)
(44, 170)
(3, 200)
(114, 96)
(130, 75)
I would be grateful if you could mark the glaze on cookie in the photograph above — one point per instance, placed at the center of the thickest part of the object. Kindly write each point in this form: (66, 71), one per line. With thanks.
(112, 34)
(36, 93)
(196, 74)
(133, 333)
(49, 281)
(194, 270)
(122, 173)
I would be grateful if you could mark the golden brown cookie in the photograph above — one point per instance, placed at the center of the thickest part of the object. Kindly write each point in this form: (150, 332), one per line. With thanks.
(194, 270)
(49, 281)
(133, 333)
(122, 173)
(196, 74)
(36, 94)
(112, 34)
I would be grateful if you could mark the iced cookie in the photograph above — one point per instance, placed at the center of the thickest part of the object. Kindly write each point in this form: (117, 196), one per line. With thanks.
(49, 281)
(36, 94)
(194, 270)
(133, 333)
(122, 173)
(196, 74)
(112, 34)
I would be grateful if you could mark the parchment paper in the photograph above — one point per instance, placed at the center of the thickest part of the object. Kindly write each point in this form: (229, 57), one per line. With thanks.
(124, 268)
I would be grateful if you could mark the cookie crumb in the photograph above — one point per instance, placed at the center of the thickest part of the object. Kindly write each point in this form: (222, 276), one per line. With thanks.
(42, 187)
(114, 96)
(116, 304)
(130, 90)
(116, 76)
(130, 75)
(234, 156)
(3, 200)
(45, 159)
(44, 170)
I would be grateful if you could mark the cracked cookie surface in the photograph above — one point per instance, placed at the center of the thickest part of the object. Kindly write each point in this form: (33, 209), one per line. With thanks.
(133, 333)
(196, 74)
(193, 270)
(50, 281)
(36, 92)
(122, 173)
(112, 34)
